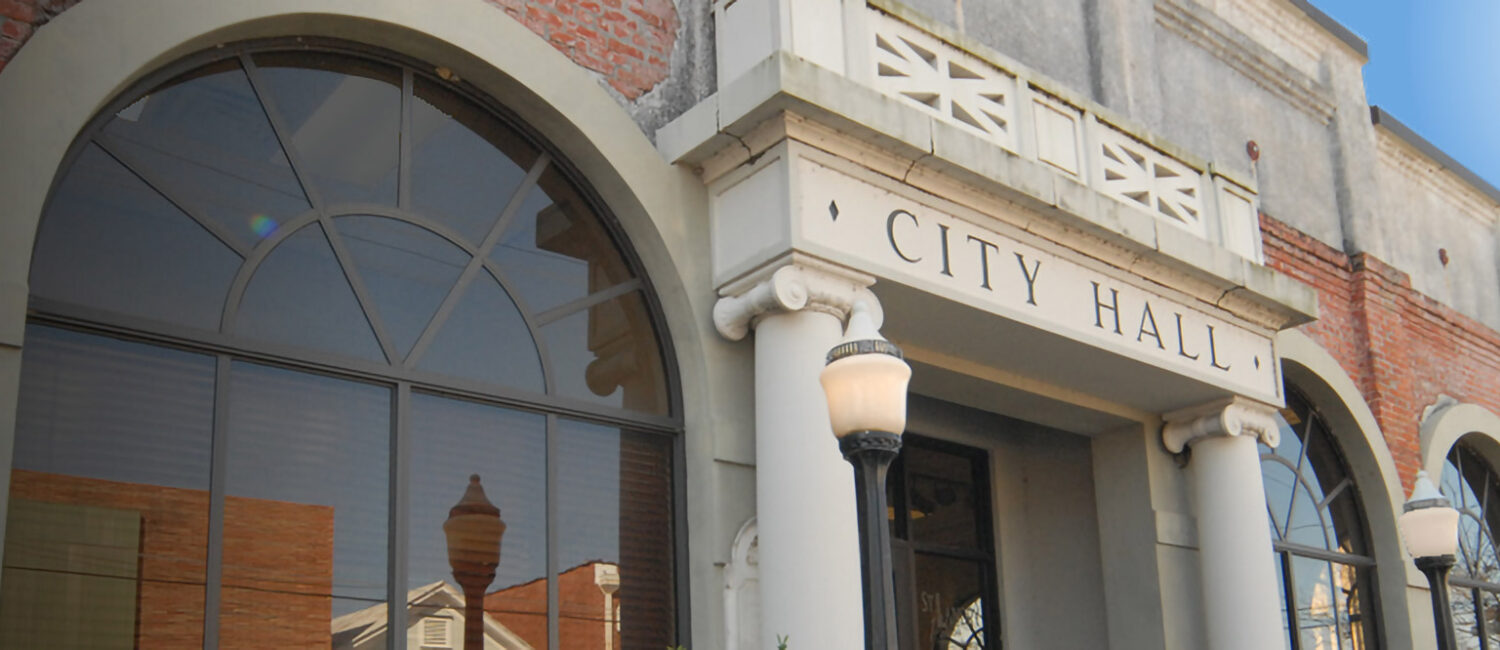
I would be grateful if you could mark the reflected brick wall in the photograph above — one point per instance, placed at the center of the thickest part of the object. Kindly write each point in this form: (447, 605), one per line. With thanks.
(288, 575)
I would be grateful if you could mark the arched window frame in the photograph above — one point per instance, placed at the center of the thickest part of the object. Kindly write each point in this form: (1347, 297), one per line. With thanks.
(1469, 481)
(52, 313)
(1356, 554)
(67, 315)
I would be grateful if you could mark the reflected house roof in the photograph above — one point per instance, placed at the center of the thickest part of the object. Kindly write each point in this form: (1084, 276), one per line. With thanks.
(366, 628)
(589, 613)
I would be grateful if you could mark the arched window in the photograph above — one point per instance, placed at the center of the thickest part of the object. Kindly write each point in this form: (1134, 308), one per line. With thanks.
(1318, 530)
(1471, 485)
(286, 299)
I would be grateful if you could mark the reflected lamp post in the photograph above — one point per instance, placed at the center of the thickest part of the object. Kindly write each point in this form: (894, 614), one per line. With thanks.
(1429, 525)
(865, 383)
(473, 530)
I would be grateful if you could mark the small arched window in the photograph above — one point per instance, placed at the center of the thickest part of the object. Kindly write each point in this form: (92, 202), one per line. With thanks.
(1323, 560)
(1471, 485)
(286, 299)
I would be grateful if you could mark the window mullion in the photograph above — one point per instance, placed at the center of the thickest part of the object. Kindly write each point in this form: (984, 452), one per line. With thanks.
(472, 270)
(403, 165)
(399, 518)
(1293, 619)
(217, 485)
(552, 536)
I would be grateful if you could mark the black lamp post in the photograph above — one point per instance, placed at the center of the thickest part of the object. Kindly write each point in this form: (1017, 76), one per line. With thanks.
(1430, 527)
(865, 382)
(474, 529)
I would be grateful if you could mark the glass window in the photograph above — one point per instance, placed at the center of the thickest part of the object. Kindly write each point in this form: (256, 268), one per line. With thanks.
(1471, 485)
(297, 316)
(1318, 531)
(942, 542)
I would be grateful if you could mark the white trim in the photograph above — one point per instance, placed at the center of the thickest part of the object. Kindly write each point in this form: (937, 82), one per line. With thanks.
(1442, 429)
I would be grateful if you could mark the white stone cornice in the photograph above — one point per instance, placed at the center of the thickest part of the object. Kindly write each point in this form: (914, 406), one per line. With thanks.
(801, 283)
(1231, 417)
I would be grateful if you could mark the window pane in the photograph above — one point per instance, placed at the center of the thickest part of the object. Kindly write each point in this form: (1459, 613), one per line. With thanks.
(343, 116)
(107, 528)
(942, 499)
(556, 251)
(1310, 496)
(305, 519)
(111, 242)
(206, 136)
(1279, 478)
(300, 296)
(1466, 602)
(465, 164)
(608, 354)
(407, 270)
(615, 537)
(486, 339)
(950, 603)
(451, 440)
(1318, 602)
(1357, 625)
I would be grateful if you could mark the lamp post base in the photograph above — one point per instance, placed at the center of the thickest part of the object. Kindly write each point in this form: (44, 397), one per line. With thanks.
(871, 453)
(1436, 569)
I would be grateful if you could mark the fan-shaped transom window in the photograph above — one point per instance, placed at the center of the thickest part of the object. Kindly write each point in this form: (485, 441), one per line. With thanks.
(1471, 485)
(285, 304)
(1317, 525)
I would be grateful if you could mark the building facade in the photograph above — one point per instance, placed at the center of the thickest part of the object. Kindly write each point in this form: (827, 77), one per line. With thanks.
(279, 279)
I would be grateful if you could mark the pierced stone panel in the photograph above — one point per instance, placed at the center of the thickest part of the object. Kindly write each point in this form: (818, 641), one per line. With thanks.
(1140, 176)
(948, 82)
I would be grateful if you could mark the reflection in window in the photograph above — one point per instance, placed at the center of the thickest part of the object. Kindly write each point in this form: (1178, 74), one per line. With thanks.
(941, 539)
(285, 305)
(1323, 562)
(1471, 485)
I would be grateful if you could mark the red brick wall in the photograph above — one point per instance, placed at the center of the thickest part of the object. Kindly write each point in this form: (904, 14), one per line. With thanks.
(1402, 348)
(20, 18)
(629, 42)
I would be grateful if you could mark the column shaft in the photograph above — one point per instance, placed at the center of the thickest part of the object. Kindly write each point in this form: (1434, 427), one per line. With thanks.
(805, 502)
(1240, 597)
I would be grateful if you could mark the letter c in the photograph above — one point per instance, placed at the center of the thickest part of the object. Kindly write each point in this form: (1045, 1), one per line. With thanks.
(890, 233)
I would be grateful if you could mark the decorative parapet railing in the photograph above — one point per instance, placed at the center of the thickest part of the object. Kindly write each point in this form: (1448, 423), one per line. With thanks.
(1003, 103)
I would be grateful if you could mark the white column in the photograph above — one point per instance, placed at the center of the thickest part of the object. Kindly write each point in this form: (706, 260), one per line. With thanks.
(805, 507)
(1241, 601)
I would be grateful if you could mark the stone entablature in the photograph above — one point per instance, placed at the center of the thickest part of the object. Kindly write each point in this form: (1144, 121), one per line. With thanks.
(939, 75)
(977, 89)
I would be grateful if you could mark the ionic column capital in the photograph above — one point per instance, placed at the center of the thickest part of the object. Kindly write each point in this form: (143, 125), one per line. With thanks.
(1235, 416)
(796, 285)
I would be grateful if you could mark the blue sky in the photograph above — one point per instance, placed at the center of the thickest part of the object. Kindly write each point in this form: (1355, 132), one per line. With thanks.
(1435, 66)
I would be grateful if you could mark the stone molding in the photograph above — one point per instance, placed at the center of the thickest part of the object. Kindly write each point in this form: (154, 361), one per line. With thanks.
(1239, 51)
(796, 284)
(1232, 417)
